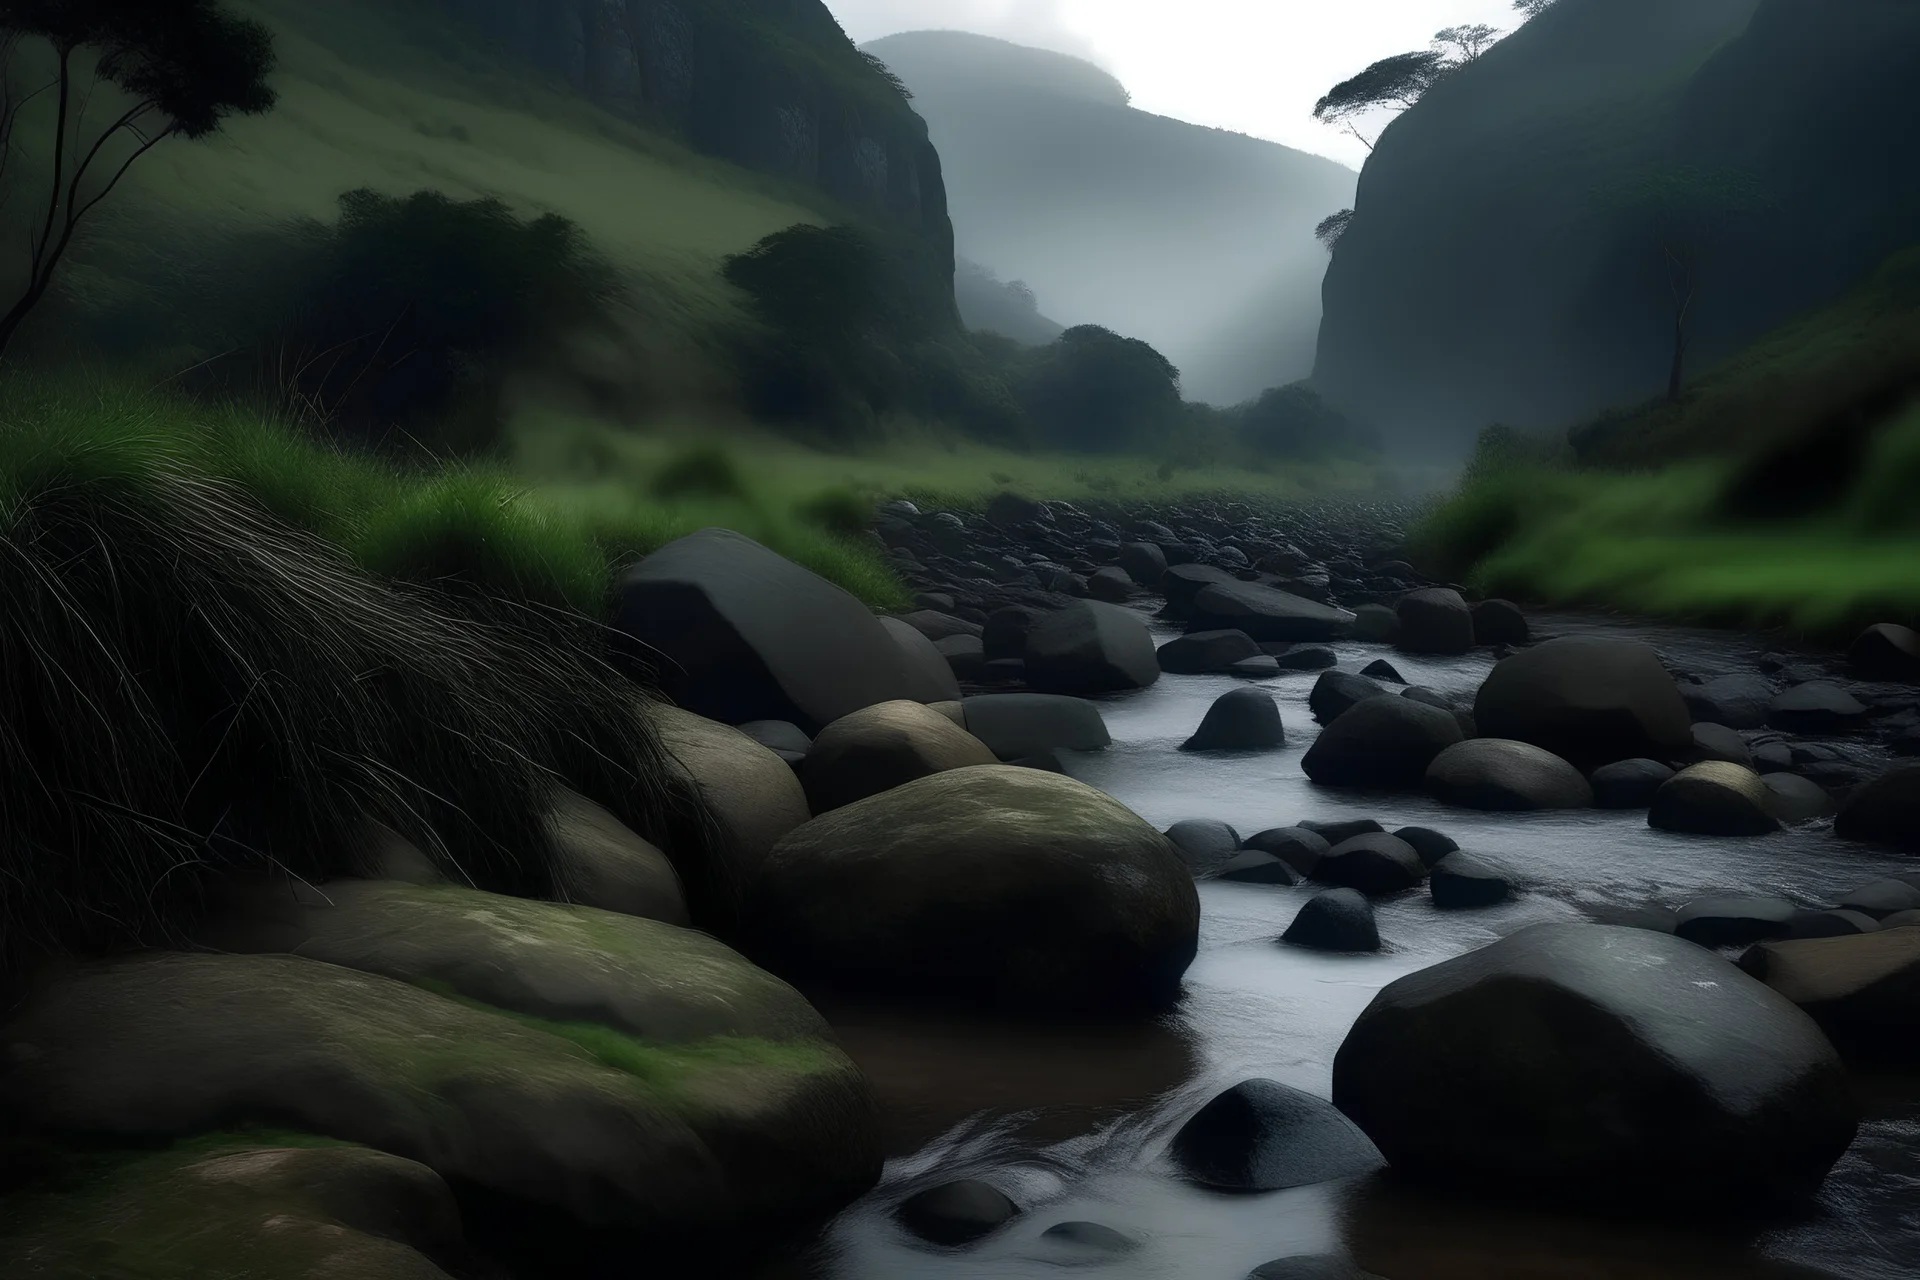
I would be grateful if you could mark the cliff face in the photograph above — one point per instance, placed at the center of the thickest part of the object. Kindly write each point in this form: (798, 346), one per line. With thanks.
(1491, 272)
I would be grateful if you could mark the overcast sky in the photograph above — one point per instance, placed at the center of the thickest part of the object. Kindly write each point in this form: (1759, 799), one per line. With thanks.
(1255, 66)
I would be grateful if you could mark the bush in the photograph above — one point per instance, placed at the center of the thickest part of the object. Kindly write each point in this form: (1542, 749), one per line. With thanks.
(699, 471)
(842, 511)
(1093, 390)
(1293, 422)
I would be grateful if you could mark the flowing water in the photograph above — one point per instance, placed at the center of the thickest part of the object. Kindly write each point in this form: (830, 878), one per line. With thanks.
(1073, 1123)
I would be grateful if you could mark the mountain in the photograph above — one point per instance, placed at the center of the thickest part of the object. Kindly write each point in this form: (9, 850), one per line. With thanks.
(1005, 307)
(1197, 240)
(1508, 258)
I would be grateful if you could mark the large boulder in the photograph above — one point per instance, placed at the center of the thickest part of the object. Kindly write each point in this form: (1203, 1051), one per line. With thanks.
(1499, 622)
(1885, 810)
(658, 1136)
(1863, 989)
(1335, 692)
(1714, 798)
(994, 885)
(1433, 620)
(1182, 583)
(1090, 647)
(1500, 774)
(1265, 613)
(742, 633)
(1206, 652)
(1887, 651)
(600, 862)
(1262, 1135)
(1381, 742)
(1017, 725)
(883, 746)
(1597, 1064)
(1239, 720)
(1589, 701)
(934, 680)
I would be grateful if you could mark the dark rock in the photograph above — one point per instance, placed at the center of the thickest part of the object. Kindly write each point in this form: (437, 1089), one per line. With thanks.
(1205, 652)
(1311, 1266)
(1433, 620)
(1883, 898)
(1089, 1238)
(1463, 880)
(1261, 666)
(1298, 847)
(1381, 669)
(1090, 648)
(1344, 829)
(1336, 691)
(1111, 585)
(1239, 720)
(1431, 845)
(1432, 697)
(1628, 784)
(1382, 742)
(1376, 865)
(1006, 630)
(938, 626)
(1204, 843)
(783, 739)
(1182, 583)
(935, 602)
(1265, 613)
(1010, 509)
(1717, 742)
(1335, 920)
(1887, 651)
(956, 1213)
(1831, 923)
(1817, 707)
(1499, 622)
(1791, 798)
(934, 679)
(1885, 810)
(881, 747)
(1714, 799)
(1251, 866)
(1738, 702)
(1305, 657)
(1773, 757)
(1503, 775)
(1861, 989)
(1375, 622)
(1145, 563)
(1589, 701)
(1262, 1135)
(1733, 920)
(965, 656)
(1711, 1090)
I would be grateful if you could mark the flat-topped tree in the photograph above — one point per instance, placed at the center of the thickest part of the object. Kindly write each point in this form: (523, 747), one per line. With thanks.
(181, 68)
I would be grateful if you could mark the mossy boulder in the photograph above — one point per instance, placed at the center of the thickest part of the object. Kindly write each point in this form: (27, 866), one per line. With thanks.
(992, 885)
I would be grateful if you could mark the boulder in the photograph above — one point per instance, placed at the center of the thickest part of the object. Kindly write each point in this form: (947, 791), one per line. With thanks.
(1262, 1135)
(600, 862)
(938, 626)
(1205, 652)
(1462, 880)
(1335, 920)
(1792, 798)
(1305, 657)
(1239, 720)
(1887, 651)
(934, 678)
(1311, 1266)
(1818, 706)
(1183, 583)
(1433, 620)
(1088, 1240)
(956, 1213)
(1733, 920)
(881, 747)
(1145, 563)
(1717, 742)
(1628, 784)
(1861, 989)
(1431, 845)
(1259, 667)
(1591, 1064)
(965, 656)
(1111, 585)
(785, 740)
(1375, 622)
(997, 886)
(1005, 632)
(1203, 843)
(742, 633)
(1714, 799)
(1376, 864)
(1736, 701)
(1336, 691)
(1008, 509)
(1499, 622)
(1265, 613)
(1589, 701)
(1831, 923)
(1382, 742)
(1343, 829)
(1088, 648)
(1885, 810)
(1503, 775)
(1252, 866)
(1381, 669)
(1883, 898)
(661, 1137)
(1020, 724)
(1298, 847)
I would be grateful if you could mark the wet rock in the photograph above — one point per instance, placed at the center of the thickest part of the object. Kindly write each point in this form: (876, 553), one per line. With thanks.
(1020, 724)
(1009, 509)
(1432, 697)
(1792, 798)
(1502, 775)
(1817, 707)
(1305, 657)
(1298, 847)
(1628, 784)
(1883, 898)
(1862, 989)
(1259, 667)
(1239, 720)
(1315, 1266)
(1089, 1238)
(600, 862)
(1375, 622)
(1382, 742)
(1266, 613)
(990, 886)
(957, 1212)
(1589, 701)
(1499, 622)
(1717, 742)
(1736, 701)
(1733, 920)
(788, 741)
(1344, 829)
(1376, 865)
(1335, 920)
(1831, 923)
(1111, 585)
(1431, 845)
(1433, 620)
(1204, 843)
(1144, 562)
(938, 626)
(1885, 810)
(1713, 1091)
(1006, 631)
(1381, 669)
(1206, 652)
(1089, 648)
(965, 656)
(1337, 691)
(881, 747)
(1714, 799)
(1887, 651)
(1253, 866)
(1262, 1135)
(1463, 880)
(745, 634)
(1773, 757)
(1183, 583)
(934, 680)
(1900, 919)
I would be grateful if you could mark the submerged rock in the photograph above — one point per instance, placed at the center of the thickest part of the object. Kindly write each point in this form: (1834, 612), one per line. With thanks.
(1298, 847)
(1792, 798)
(1204, 842)
(1335, 920)
(1262, 1135)
(1251, 866)
(1376, 864)
(1733, 920)
(1206, 652)
(1265, 613)
(957, 1212)
(1818, 706)
(1239, 720)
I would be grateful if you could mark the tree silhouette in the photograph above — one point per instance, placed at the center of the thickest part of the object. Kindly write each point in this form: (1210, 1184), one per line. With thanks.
(1533, 8)
(183, 66)
(1398, 81)
(1332, 227)
(1461, 45)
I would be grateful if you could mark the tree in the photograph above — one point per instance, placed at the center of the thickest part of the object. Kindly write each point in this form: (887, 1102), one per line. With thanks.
(182, 66)
(1093, 389)
(1397, 83)
(824, 284)
(1461, 45)
(1332, 227)
(1534, 8)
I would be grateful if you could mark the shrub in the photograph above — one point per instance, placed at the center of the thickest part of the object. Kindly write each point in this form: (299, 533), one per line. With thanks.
(699, 471)
(1294, 422)
(840, 510)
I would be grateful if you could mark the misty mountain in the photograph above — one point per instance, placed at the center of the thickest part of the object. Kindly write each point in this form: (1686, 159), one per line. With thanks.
(1197, 240)
(1005, 307)
(1508, 260)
